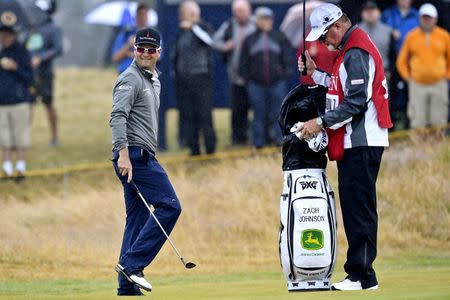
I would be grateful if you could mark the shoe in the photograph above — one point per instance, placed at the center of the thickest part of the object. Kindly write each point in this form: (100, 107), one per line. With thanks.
(135, 277)
(348, 285)
(54, 143)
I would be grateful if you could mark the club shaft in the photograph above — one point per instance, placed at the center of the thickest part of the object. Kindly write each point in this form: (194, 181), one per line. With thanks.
(159, 224)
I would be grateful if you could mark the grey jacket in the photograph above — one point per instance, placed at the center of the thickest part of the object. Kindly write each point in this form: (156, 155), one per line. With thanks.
(231, 29)
(134, 116)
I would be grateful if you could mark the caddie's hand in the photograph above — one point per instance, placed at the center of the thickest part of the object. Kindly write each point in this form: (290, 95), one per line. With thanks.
(310, 129)
(124, 164)
(310, 64)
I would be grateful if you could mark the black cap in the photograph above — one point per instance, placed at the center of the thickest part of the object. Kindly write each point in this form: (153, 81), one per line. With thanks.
(370, 5)
(148, 36)
(7, 28)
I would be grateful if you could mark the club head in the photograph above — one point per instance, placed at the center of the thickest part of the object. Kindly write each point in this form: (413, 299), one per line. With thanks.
(190, 265)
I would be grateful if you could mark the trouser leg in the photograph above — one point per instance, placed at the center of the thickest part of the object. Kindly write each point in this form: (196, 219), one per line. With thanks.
(358, 171)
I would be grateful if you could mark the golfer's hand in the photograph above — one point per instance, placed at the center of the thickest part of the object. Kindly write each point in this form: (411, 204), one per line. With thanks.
(124, 164)
(310, 129)
(310, 64)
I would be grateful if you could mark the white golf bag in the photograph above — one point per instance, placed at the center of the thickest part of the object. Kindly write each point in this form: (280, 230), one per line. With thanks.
(308, 230)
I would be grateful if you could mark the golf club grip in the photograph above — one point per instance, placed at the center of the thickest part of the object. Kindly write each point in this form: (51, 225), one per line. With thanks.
(304, 72)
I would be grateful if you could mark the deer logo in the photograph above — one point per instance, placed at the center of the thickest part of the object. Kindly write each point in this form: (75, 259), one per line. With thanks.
(312, 239)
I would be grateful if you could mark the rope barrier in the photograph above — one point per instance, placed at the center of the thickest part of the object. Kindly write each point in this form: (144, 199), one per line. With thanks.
(182, 158)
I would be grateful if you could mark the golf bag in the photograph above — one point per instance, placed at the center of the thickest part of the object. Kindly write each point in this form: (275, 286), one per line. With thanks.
(307, 240)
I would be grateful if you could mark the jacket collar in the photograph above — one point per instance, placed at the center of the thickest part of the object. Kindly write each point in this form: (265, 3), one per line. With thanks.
(346, 37)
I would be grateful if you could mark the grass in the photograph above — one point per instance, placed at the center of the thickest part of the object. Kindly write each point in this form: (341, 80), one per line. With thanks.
(53, 227)
(420, 278)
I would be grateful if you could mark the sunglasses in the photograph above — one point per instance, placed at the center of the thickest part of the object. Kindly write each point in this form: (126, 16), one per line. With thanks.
(142, 50)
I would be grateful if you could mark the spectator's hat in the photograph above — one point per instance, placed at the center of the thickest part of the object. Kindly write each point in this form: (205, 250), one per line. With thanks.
(428, 9)
(321, 18)
(370, 5)
(148, 36)
(263, 12)
(7, 28)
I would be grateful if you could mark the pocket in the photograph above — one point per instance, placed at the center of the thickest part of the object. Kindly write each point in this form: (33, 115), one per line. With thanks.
(136, 154)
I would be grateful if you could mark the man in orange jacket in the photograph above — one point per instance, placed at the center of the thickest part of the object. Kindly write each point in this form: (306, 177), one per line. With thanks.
(424, 61)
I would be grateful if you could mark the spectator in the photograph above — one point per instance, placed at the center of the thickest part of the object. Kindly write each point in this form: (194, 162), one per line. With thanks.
(193, 64)
(16, 78)
(45, 43)
(379, 33)
(228, 39)
(264, 64)
(402, 18)
(424, 62)
(122, 52)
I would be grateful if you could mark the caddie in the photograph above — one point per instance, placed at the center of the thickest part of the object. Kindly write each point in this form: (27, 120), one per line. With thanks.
(357, 121)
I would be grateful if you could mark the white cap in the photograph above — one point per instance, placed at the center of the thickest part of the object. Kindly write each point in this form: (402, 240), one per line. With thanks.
(322, 17)
(428, 9)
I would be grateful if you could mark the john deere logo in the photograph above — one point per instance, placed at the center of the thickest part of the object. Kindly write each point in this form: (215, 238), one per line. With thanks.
(312, 239)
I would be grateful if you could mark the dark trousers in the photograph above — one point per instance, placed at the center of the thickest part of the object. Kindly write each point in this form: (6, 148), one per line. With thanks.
(266, 102)
(142, 238)
(196, 92)
(358, 171)
(240, 105)
(398, 95)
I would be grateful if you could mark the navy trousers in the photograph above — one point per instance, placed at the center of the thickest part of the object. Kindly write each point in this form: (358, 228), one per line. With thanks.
(142, 238)
(266, 102)
(358, 171)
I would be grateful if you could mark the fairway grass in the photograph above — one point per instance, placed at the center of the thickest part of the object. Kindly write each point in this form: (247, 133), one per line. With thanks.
(407, 278)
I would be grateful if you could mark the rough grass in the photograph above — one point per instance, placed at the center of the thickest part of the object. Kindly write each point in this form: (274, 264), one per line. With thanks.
(230, 218)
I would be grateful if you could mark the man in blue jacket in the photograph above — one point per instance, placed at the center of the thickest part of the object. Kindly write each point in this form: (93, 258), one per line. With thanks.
(16, 78)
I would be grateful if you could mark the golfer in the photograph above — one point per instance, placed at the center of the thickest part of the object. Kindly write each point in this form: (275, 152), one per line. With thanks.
(357, 113)
(134, 124)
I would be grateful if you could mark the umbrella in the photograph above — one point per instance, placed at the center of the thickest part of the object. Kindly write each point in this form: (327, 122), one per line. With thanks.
(292, 25)
(21, 14)
(118, 13)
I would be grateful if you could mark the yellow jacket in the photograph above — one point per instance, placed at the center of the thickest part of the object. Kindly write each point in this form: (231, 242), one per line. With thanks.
(425, 57)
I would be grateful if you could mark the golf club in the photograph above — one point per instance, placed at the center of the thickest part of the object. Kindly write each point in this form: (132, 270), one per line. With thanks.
(188, 265)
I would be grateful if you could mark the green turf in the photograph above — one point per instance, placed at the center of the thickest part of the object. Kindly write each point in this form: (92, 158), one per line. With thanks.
(408, 278)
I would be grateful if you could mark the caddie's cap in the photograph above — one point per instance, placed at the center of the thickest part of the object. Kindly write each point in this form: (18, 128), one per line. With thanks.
(322, 17)
(263, 12)
(428, 9)
(148, 36)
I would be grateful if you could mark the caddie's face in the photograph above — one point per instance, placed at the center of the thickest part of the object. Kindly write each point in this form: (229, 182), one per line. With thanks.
(147, 56)
(333, 37)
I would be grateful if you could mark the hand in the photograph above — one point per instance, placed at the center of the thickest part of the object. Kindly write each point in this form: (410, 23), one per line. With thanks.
(310, 64)
(131, 41)
(229, 45)
(124, 164)
(8, 64)
(35, 61)
(396, 34)
(310, 129)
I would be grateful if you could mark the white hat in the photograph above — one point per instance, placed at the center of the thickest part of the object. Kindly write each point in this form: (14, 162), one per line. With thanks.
(428, 9)
(322, 17)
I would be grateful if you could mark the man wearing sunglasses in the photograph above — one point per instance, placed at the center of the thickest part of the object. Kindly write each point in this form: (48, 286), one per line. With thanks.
(357, 121)
(134, 124)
